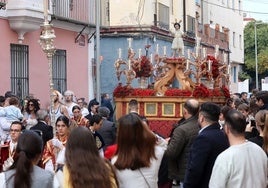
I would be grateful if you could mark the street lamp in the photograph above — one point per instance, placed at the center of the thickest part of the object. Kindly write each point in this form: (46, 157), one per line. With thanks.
(256, 56)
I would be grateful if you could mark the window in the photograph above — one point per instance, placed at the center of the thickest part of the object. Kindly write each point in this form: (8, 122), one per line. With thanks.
(234, 39)
(234, 74)
(227, 3)
(233, 4)
(239, 6)
(190, 24)
(163, 16)
(59, 71)
(240, 41)
(19, 70)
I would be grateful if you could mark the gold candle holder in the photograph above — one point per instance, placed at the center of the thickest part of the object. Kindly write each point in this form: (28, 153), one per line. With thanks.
(47, 44)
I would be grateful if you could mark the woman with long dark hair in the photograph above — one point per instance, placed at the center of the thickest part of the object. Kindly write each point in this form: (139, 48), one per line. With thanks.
(53, 157)
(83, 165)
(139, 153)
(30, 117)
(24, 173)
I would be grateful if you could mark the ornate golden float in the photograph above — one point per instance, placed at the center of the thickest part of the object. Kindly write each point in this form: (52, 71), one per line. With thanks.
(203, 77)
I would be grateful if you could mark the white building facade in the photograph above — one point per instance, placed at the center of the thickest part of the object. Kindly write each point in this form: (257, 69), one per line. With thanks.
(227, 14)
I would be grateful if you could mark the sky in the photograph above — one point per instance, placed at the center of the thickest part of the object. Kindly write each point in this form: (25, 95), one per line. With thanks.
(257, 9)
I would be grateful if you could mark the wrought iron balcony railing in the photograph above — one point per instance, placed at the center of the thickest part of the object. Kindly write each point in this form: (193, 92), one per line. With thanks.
(76, 10)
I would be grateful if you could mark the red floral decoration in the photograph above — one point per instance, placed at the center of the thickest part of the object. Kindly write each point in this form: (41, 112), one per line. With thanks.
(226, 91)
(143, 92)
(215, 93)
(178, 92)
(122, 91)
(143, 68)
(214, 66)
(201, 91)
(175, 59)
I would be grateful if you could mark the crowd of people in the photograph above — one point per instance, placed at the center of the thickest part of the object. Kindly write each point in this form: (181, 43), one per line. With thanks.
(210, 146)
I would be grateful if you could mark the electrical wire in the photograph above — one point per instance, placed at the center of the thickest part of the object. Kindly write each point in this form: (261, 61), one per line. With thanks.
(245, 11)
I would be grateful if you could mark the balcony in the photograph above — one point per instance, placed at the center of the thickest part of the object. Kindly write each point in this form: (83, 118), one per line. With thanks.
(73, 10)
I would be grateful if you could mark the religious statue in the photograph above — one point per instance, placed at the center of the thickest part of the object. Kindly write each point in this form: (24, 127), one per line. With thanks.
(177, 44)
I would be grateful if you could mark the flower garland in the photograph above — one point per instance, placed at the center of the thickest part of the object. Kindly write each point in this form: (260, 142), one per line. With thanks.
(178, 92)
(199, 92)
(143, 68)
(122, 91)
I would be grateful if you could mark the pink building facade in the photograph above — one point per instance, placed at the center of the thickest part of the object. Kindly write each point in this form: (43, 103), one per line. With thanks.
(24, 66)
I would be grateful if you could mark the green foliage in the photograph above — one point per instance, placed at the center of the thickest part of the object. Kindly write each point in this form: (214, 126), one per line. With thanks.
(249, 46)
(243, 76)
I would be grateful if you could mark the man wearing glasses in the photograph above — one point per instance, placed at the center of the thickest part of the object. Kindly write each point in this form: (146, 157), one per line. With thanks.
(8, 150)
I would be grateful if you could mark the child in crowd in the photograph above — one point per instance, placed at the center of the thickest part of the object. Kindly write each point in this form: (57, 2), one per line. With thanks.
(9, 114)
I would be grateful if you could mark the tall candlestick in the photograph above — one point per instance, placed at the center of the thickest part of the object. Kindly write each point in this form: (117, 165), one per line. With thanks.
(151, 58)
(204, 52)
(224, 57)
(209, 65)
(198, 40)
(165, 50)
(139, 52)
(119, 53)
(157, 48)
(129, 64)
(45, 9)
(129, 42)
(189, 53)
(216, 50)
(228, 69)
(187, 65)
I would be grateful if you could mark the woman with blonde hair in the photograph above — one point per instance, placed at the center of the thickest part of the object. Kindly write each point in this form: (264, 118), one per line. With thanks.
(139, 153)
(83, 166)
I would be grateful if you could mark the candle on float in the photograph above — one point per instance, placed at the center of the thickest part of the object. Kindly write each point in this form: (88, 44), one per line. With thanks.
(209, 65)
(165, 50)
(119, 53)
(139, 52)
(182, 52)
(189, 53)
(187, 65)
(129, 64)
(157, 48)
(216, 50)
(224, 57)
(45, 9)
(204, 52)
(129, 42)
(198, 40)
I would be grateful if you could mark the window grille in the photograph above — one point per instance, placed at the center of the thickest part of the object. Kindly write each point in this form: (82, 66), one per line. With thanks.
(19, 70)
(59, 70)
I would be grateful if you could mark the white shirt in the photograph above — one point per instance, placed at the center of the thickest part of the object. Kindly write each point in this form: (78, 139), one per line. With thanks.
(243, 165)
(128, 178)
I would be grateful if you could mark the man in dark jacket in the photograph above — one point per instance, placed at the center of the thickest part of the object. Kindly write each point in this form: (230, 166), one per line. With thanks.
(108, 129)
(181, 141)
(42, 125)
(210, 142)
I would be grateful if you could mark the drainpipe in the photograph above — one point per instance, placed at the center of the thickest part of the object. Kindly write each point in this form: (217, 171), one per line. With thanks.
(98, 93)
(184, 15)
